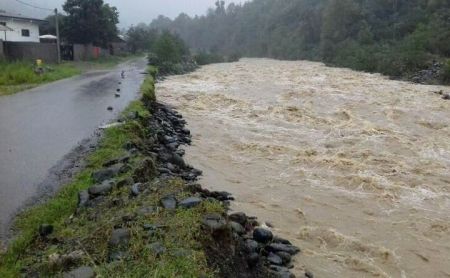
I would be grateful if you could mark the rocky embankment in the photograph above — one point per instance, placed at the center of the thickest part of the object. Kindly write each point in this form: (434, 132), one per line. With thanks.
(145, 214)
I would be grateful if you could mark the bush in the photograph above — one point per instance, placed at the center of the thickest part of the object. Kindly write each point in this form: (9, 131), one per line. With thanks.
(204, 58)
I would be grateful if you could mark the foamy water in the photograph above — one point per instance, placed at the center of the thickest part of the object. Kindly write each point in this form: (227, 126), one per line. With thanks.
(351, 167)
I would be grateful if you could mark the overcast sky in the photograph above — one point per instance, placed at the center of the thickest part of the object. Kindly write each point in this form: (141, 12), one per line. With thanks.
(131, 11)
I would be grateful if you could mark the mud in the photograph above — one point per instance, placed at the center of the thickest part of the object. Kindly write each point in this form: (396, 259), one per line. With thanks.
(350, 166)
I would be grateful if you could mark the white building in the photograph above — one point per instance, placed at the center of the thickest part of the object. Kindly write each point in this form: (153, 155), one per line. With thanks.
(24, 29)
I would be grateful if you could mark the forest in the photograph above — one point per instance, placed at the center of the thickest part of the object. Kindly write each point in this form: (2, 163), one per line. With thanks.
(393, 37)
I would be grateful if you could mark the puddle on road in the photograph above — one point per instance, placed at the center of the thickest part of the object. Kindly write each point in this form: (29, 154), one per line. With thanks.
(352, 167)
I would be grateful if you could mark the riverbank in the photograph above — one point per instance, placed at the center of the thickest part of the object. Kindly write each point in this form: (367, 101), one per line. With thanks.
(136, 210)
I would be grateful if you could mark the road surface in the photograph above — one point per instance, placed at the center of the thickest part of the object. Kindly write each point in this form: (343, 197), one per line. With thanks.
(40, 126)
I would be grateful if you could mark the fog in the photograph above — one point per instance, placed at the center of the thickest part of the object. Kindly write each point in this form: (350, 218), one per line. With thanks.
(131, 11)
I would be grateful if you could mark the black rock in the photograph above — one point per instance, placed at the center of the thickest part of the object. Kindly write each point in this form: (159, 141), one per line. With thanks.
(110, 108)
(252, 246)
(119, 237)
(222, 195)
(117, 95)
(81, 272)
(196, 172)
(169, 202)
(171, 167)
(253, 259)
(286, 257)
(165, 171)
(279, 247)
(110, 172)
(238, 217)
(101, 189)
(309, 274)
(214, 222)
(263, 235)
(118, 90)
(45, 230)
(190, 202)
(169, 139)
(136, 189)
(446, 97)
(83, 198)
(186, 131)
(180, 152)
(237, 228)
(178, 160)
(274, 259)
(117, 255)
(157, 248)
(173, 146)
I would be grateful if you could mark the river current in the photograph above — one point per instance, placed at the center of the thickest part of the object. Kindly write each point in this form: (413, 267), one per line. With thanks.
(351, 167)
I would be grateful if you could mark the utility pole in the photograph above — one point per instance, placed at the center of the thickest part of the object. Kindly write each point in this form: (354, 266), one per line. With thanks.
(58, 42)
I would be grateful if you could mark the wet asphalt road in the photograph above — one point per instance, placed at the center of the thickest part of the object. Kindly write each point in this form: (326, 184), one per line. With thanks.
(38, 127)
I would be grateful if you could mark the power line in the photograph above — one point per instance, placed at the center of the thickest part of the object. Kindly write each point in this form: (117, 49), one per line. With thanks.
(33, 6)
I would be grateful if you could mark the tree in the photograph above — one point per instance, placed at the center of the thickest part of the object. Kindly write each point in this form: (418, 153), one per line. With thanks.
(141, 37)
(48, 27)
(170, 48)
(90, 21)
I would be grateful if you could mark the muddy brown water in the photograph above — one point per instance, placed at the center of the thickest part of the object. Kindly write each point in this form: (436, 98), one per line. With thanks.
(351, 167)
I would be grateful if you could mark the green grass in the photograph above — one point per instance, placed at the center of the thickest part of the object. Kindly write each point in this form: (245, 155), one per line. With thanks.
(17, 76)
(59, 208)
(80, 232)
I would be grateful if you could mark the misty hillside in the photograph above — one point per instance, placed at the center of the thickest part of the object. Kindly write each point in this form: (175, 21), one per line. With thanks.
(394, 37)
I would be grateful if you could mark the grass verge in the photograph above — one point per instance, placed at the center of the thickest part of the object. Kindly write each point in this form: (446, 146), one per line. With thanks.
(88, 230)
(19, 76)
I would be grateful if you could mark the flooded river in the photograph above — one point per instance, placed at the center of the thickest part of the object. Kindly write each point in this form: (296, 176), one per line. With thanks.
(351, 167)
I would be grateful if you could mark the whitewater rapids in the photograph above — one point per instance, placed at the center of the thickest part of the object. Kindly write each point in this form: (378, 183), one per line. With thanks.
(351, 167)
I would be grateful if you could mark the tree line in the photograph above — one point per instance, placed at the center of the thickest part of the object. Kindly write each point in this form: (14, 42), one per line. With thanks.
(394, 37)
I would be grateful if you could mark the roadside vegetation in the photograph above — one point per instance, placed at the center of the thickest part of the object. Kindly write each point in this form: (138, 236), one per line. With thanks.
(21, 75)
(87, 230)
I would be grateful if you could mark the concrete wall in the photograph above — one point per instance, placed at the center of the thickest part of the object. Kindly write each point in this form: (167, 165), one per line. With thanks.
(118, 48)
(18, 25)
(88, 52)
(31, 51)
(83, 52)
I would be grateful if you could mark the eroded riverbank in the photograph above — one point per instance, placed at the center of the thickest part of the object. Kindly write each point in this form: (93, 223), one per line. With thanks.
(352, 167)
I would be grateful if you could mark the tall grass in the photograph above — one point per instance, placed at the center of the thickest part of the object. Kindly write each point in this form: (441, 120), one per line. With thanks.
(19, 73)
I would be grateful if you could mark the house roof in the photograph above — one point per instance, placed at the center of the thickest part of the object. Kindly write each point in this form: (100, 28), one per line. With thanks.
(19, 17)
(5, 28)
